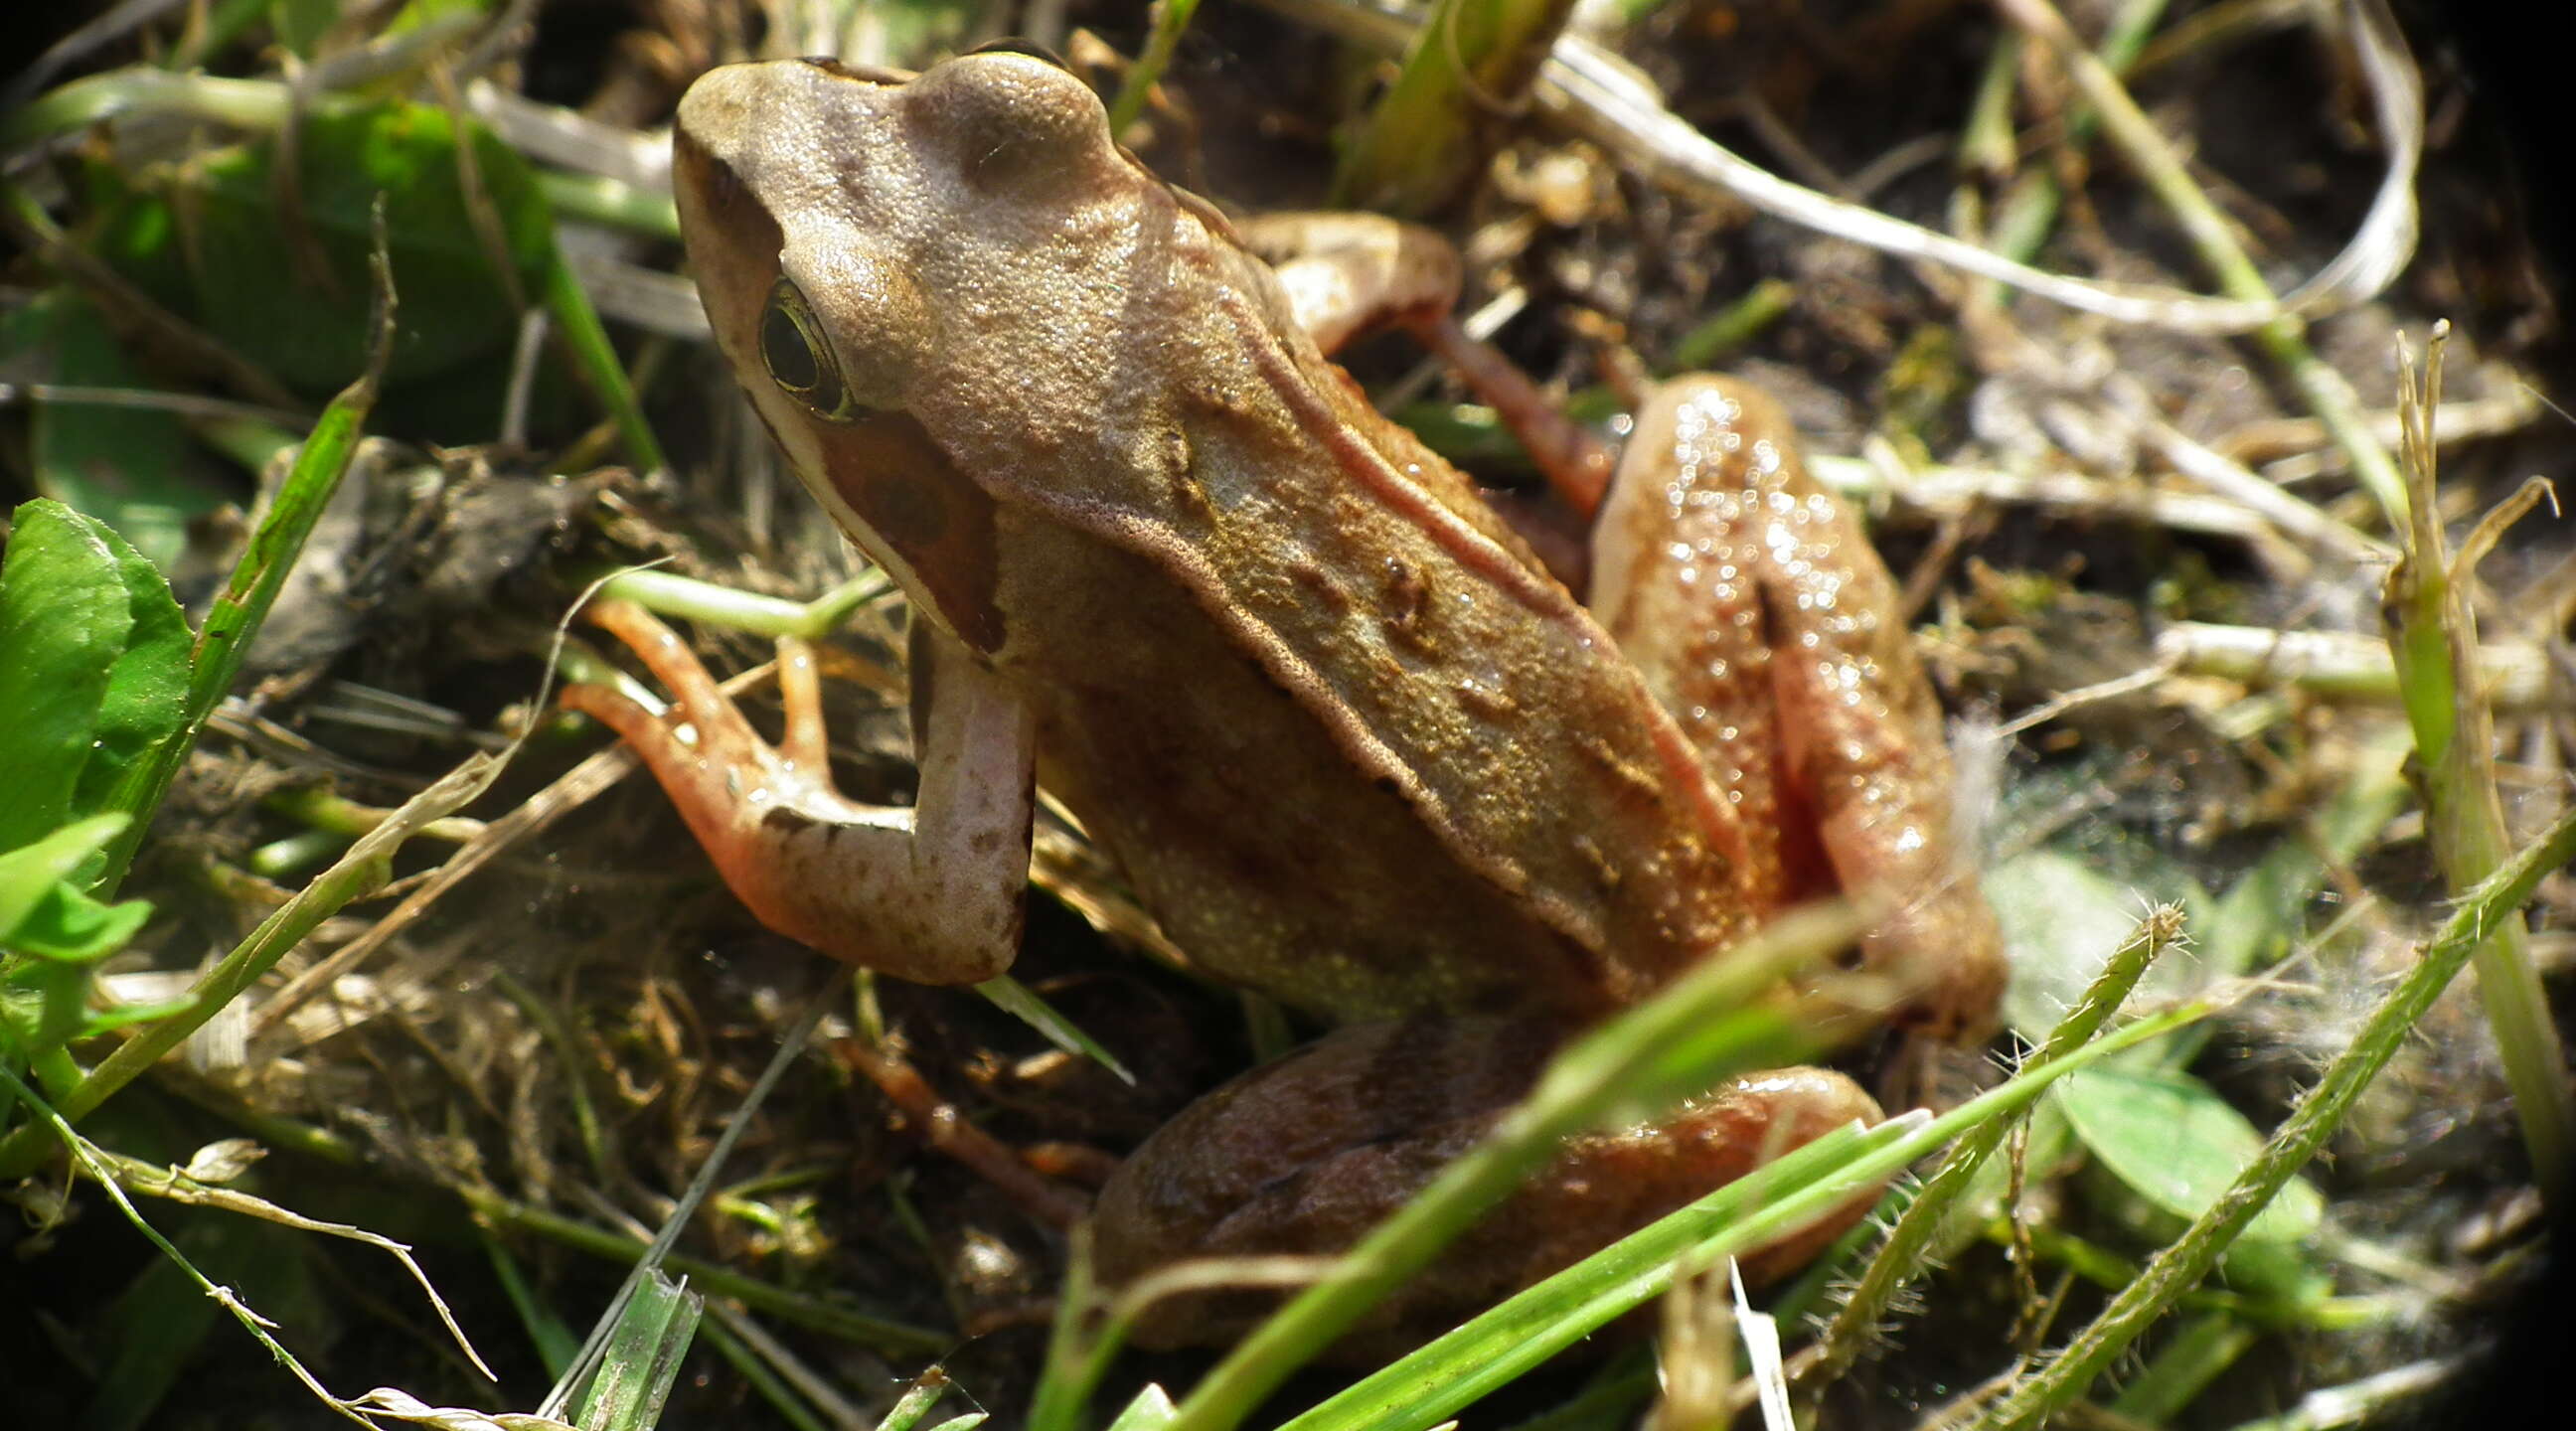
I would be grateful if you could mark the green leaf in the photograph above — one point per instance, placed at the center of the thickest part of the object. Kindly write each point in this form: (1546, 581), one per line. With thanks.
(42, 1004)
(233, 620)
(1150, 1411)
(2172, 1140)
(64, 618)
(643, 1357)
(44, 1000)
(215, 231)
(918, 1401)
(70, 927)
(98, 1021)
(147, 689)
(94, 653)
(30, 871)
(1023, 1003)
(133, 468)
(1431, 1385)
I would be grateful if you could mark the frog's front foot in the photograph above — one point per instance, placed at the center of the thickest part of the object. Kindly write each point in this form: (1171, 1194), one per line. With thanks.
(931, 893)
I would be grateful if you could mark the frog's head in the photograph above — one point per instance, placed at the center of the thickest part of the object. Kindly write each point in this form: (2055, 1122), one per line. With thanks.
(812, 192)
(868, 243)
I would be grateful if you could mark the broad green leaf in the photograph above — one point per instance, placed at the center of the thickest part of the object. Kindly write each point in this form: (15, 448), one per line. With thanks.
(2172, 1140)
(133, 468)
(213, 244)
(45, 993)
(147, 689)
(42, 1005)
(64, 618)
(58, 931)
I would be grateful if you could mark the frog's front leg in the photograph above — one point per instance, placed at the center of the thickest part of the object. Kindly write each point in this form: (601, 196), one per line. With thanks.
(1765, 622)
(933, 893)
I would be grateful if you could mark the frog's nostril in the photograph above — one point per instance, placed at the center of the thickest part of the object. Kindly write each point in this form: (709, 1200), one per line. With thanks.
(842, 69)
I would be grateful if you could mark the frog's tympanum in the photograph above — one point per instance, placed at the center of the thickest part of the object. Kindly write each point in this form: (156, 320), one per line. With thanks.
(1353, 746)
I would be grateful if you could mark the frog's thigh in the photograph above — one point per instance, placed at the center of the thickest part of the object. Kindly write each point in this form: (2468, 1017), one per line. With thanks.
(1305, 1155)
(1344, 274)
(1767, 624)
(933, 893)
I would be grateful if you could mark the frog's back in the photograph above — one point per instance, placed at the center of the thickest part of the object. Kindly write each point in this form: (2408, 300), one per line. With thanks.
(1352, 747)
(1288, 845)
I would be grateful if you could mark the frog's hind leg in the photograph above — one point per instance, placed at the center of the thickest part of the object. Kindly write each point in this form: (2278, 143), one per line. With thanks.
(1303, 1156)
(1345, 274)
(1768, 626)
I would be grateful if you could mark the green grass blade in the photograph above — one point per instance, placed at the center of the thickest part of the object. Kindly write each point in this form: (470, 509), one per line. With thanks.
(2433, 635)
(1916, 1227)
(1171, 21)
(1472, 61)
(358, 872)
(1022, 1002)
(643, 1357)
(234, 620)
(597, 359)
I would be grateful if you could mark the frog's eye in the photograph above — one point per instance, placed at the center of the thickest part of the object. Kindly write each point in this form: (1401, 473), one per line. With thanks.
(799, 356)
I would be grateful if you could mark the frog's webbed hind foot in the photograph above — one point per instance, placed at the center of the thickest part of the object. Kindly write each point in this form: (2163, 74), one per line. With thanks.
(868, 884)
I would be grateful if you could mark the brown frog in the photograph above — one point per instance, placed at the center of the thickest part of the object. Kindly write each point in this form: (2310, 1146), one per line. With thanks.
(1352, 744)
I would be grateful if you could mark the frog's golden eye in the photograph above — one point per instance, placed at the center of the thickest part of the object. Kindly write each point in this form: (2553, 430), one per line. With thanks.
(799, 357)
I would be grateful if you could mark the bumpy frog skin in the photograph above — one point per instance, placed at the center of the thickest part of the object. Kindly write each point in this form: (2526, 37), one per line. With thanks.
(1352, 745)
